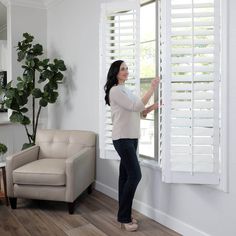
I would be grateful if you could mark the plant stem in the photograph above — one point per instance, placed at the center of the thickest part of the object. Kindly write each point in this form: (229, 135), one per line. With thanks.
(36, 126)
(33, 118)
(28, 135)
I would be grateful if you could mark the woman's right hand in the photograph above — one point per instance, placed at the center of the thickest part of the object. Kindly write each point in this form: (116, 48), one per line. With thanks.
(155, 83)
(151, 90)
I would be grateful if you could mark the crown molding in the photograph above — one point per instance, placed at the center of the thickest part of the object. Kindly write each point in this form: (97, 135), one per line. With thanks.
(28, 3)
(41, 4)
(5, 2)
(51, 3)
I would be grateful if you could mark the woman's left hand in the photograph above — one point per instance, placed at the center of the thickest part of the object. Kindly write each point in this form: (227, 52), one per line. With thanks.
(154, 106)
(150, 108)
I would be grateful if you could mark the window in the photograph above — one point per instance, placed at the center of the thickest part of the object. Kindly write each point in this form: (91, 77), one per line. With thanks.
(187, 133)
(148, 126)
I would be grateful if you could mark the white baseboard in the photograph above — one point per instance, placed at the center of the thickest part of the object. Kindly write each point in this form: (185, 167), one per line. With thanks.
(157, 215)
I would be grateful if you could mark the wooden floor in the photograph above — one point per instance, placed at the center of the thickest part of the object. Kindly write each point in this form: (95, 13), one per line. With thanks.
(95, 215)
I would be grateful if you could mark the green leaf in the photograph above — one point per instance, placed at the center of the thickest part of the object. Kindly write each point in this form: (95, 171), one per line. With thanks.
(16, 117)
(20, 85)
(37, 49)
(46, 94)
(47, 88)
(53, 67)
(27, 145)
(40, 63)
(45, 62)
(9, 85)
(53, 84)
(21, 55)
(25, 121)
(59, 76)
(37, 93)
(31, 63)
(43, 102)
(53, 97)
(24, 110)
(28, 75)
(19, 78)
(48, 74)
(10, 93)
(22, 100)
(14, 104)
(60, 64)
(28, 37)
(24, 67)
(3, 148)
(36, 60)
(30, 56)
(41, 79)
(8, 103)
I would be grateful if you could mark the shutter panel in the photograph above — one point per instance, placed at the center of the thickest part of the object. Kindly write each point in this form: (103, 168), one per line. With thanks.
(190, 80)
(119, 40)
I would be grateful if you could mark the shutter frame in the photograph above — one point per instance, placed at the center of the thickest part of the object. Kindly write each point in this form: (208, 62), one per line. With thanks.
(107, 56)
(170, 172)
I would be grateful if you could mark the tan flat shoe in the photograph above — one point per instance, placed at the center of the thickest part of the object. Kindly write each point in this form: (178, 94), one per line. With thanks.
(134, 221)
(129, 226)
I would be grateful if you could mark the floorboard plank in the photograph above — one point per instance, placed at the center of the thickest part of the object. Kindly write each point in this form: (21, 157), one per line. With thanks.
(95, 215)
(35, 224)
(9, 224)
(86, 230)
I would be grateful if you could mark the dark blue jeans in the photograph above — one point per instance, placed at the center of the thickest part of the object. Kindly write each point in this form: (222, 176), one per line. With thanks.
(129, 176)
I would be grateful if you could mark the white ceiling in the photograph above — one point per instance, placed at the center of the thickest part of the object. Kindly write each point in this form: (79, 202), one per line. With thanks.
(30, 3)
(3, 15)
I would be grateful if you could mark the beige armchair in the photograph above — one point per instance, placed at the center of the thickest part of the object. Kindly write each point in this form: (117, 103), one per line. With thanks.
(59, 167)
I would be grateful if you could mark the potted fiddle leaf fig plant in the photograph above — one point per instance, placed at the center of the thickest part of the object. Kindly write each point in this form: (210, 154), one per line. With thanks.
(3, 150)
(36, 88)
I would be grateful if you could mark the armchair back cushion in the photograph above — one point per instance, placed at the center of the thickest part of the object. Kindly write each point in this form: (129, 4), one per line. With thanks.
(61, 144)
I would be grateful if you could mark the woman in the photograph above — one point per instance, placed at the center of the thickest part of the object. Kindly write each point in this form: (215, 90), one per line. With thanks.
(126, 109)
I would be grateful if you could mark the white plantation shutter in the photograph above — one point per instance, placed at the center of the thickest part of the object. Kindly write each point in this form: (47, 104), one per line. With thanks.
(190, 89)
(119, 40)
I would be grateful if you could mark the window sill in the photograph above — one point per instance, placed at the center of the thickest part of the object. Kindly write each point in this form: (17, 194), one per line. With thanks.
(149, 163)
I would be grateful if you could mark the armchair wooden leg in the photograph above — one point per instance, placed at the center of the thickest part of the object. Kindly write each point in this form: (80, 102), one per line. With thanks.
(90, 189)
(71, 207)
(13, 202)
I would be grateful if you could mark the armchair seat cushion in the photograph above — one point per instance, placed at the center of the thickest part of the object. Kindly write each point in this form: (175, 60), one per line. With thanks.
(50, 172)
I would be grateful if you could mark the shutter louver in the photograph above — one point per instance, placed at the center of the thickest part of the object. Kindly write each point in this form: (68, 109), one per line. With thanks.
(190, 69)
(119, 40)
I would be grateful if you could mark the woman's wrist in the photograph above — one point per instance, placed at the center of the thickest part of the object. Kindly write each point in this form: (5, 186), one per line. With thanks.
(151, 89)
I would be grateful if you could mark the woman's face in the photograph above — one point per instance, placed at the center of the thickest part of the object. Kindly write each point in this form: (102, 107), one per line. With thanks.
(123, 73)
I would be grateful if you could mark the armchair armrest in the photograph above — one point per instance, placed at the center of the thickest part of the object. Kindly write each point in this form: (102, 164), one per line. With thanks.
(80, 172)
(17, 160)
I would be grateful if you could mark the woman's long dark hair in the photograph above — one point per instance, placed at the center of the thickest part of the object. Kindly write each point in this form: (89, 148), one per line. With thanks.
(112, 78)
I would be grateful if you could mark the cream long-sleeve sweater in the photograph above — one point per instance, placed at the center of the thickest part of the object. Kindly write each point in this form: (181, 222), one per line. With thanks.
(125, 110)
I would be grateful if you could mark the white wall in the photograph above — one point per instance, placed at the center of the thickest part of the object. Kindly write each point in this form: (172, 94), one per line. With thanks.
(73, 36)
(32, 21)
(3, 55)
(73, 28)
(21, 20)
